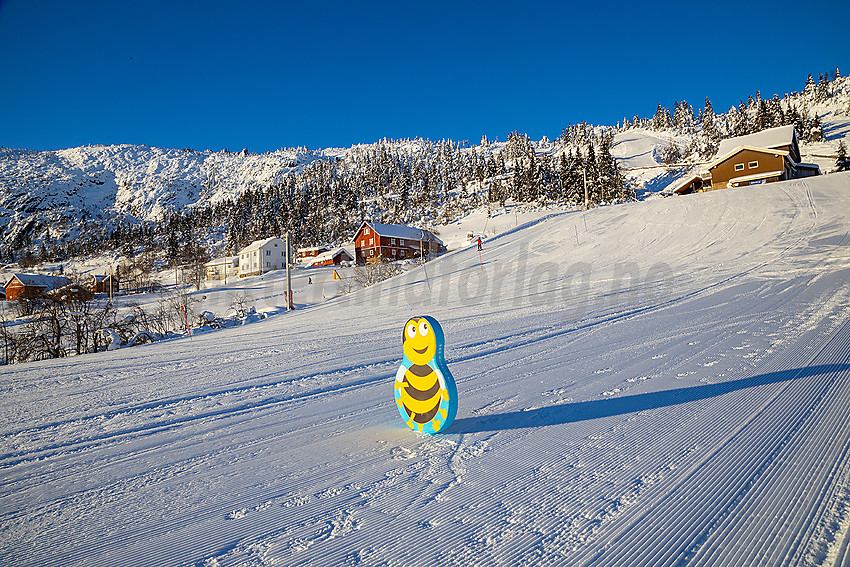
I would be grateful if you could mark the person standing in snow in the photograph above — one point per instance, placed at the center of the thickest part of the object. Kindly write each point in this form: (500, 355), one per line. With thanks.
(479, 243)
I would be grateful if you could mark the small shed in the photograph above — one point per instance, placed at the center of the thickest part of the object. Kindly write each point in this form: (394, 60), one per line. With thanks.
(331, 258)
(312, 251)
(693, 183)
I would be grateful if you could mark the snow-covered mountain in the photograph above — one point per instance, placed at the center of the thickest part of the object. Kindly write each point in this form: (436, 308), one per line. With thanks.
(52, 190)
(51, 196)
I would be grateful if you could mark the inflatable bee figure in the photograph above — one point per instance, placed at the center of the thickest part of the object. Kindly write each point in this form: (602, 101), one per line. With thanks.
(425, 390)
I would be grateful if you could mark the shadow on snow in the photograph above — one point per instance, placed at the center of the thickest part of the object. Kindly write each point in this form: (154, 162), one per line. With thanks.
(581, 411)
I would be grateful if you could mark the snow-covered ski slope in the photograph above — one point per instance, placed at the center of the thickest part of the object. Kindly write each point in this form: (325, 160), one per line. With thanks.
(657, 383)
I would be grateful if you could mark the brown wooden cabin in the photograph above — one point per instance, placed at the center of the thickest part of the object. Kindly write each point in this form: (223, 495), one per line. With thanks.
(747, 165)
(764, 157)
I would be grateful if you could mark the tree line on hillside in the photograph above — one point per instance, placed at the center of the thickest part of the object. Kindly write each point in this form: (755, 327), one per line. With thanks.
(428, 183)
(751, 116)
(425, 184)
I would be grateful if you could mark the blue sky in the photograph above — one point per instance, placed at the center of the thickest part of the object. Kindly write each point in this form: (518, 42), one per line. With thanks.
(266, 75)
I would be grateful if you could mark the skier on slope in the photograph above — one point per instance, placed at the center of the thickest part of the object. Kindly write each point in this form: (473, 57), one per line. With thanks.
(479, 243)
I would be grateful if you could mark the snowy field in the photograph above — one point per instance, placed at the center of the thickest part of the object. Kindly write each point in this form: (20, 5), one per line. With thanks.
(656, 383)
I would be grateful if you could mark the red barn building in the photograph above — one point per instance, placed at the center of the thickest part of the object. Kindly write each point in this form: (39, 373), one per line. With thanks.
(377, 242)
(30, 286)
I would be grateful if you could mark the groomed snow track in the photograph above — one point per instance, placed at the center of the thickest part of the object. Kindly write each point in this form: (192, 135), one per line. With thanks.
(662, 383)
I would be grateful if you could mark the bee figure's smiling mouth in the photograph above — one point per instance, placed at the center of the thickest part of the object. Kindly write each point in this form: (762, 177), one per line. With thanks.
(423, 351)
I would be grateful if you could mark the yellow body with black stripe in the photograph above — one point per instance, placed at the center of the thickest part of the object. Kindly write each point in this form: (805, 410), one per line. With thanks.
(423, 387)
(420, 394)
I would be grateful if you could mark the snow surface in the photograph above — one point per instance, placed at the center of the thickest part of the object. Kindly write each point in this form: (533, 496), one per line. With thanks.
(655, 383)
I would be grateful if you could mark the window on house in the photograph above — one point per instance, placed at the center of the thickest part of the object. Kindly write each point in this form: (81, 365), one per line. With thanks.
(268, 252)
(372, 252)
(392, 241)
(393, 251)
(371, 241)
(739, 167)
(401, 242)
(753, 164)
(366, 230)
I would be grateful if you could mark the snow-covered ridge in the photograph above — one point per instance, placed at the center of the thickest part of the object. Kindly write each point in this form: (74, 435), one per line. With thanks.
(56, 188)
(52, 195)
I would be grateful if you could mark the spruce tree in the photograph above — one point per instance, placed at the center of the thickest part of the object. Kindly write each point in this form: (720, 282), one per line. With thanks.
(814, 129)
(709, 133)
(592, 173)
(563, 176)
(741, 126)
(811, 86)
(762, 120)
(841, 161)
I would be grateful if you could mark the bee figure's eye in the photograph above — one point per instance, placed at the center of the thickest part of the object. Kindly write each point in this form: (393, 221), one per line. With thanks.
(423, 328)
(411, 330)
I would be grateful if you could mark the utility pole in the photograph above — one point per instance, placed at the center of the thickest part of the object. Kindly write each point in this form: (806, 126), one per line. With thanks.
(5, 340)
(288, 278)
(422, 258)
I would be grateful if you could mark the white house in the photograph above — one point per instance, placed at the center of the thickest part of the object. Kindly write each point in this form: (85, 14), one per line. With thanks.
(262, 256)
(222, 268)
